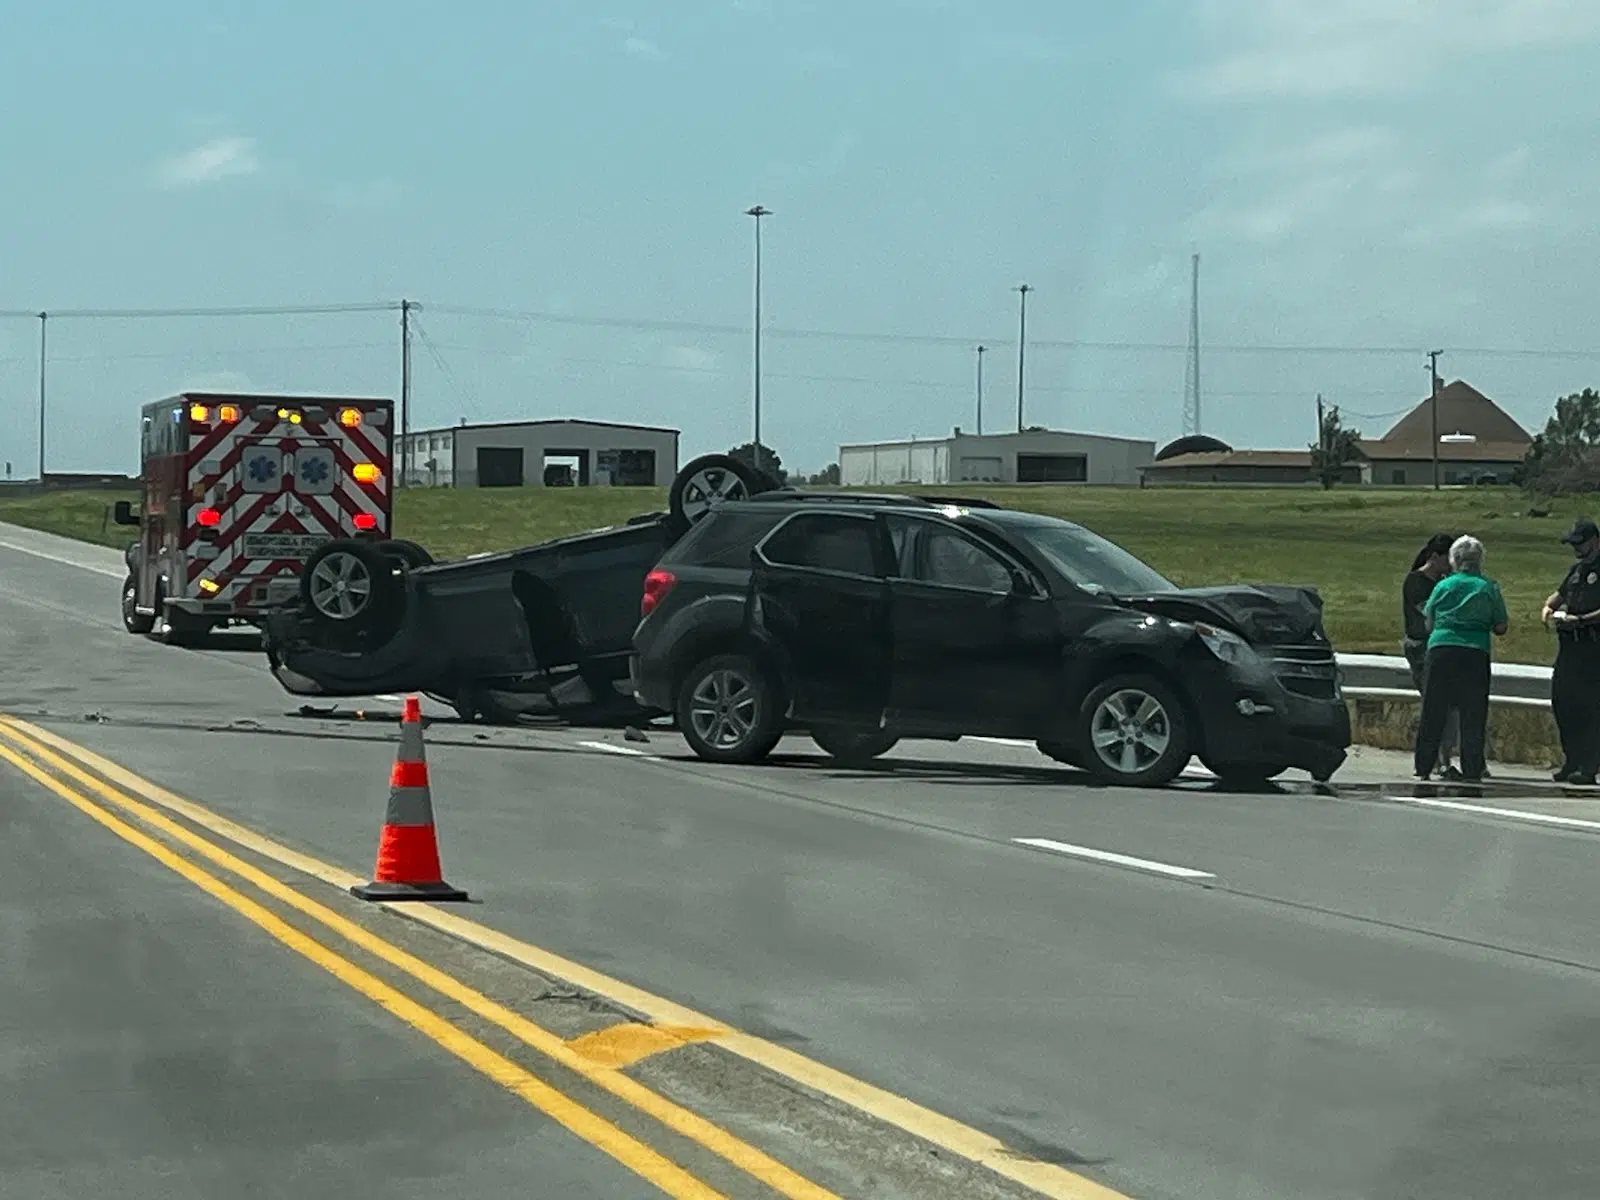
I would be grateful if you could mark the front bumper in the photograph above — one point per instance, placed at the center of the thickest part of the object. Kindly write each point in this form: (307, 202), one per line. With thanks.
(1287, 711)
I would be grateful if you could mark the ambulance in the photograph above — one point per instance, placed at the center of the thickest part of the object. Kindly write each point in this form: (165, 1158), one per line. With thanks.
(238, 492)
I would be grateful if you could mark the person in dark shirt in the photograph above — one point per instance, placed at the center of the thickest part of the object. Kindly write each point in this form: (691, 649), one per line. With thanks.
(1574, 610)
(1431, 565)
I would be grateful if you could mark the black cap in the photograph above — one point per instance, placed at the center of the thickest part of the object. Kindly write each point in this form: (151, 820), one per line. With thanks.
(1583, 529)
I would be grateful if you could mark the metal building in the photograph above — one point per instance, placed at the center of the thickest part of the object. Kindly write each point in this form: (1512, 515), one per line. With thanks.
(554, 453)
(1035, 456)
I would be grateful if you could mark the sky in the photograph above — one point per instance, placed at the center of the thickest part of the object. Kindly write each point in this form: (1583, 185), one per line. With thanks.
(561, 186)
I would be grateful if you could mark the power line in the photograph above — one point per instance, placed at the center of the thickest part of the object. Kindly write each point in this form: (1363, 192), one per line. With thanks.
(706, 327)
(133, 314)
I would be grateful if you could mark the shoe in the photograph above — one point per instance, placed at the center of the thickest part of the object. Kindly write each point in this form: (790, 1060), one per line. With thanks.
(1450, 773)
(1582, 780)
(1564, 775)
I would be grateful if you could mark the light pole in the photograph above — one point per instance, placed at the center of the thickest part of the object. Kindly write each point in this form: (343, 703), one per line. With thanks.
(1433, 408)
(982, 350)
(758, 212)
(1022, 344)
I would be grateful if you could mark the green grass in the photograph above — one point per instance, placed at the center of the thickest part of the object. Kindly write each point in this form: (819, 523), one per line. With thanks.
(1353, 544)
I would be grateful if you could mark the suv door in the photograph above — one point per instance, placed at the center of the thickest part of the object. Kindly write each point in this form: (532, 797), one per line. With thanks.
(819, 599)
(977, 641)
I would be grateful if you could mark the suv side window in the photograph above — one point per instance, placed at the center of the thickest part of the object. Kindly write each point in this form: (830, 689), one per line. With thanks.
(723, 539)
(826, 542)
(943, 555)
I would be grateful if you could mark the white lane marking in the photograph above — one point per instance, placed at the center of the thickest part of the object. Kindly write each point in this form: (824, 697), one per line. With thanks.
(1510, 814)
(66, 562)
(1119, 860)
(611, 748)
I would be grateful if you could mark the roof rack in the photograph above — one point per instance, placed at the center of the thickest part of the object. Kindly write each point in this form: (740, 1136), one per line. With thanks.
(960, 501)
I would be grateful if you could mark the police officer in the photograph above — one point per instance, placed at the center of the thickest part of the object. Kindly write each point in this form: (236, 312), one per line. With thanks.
(1574, 610)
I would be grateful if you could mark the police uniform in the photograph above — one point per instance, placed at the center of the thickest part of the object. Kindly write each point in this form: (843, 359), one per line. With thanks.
(1575, 683)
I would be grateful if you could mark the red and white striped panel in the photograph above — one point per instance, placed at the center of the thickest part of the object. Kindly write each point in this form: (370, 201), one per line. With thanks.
(276, 477)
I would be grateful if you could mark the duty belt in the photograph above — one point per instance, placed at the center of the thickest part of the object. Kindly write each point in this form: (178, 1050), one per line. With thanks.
(1590, 633)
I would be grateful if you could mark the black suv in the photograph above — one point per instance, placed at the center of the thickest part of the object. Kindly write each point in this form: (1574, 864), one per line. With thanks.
(865, 619)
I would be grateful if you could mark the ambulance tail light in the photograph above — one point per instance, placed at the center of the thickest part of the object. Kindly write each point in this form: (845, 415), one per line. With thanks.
(366, 473)
(365, 521)
(208, 518)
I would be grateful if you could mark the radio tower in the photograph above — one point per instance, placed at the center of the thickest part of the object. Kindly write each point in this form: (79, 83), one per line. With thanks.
(1191, 369)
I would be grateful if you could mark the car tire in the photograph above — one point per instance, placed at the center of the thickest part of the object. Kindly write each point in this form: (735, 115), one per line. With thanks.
(709, 481)
(131, 620)
(854, 747)
(1062, 752)
(349, 587)
(729, 710)
(1245, 775)
(1135, 732)
(409, 554)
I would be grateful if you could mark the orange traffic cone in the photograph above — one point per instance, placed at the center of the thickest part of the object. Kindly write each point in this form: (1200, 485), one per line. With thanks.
(408, 851)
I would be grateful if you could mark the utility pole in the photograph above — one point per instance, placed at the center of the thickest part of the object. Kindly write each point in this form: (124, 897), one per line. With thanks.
(1322, 428)
(1022, 344)
(982, 350)
(757, 211)
(1433, 407)
(43, 320)
(405, 392)
(1191, 382)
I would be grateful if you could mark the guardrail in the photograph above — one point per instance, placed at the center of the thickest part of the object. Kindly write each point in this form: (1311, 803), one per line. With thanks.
(1388, 676)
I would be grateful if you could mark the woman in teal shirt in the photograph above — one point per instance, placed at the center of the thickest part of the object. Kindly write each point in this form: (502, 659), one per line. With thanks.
(1465, 612)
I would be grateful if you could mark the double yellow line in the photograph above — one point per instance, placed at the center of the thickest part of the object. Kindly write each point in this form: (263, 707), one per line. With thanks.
(27, 748)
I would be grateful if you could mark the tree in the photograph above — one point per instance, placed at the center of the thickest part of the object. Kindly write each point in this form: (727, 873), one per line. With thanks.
(827, 477)
(768, 460)
(1337, 449)
(1566, 456)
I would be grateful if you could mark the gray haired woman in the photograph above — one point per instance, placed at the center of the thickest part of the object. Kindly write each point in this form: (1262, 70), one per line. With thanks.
(1465, 612)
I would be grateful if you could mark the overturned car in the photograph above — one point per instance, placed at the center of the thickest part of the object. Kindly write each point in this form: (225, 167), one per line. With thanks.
(540, 631)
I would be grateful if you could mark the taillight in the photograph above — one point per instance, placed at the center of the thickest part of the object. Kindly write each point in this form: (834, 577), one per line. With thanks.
(656, 586)
(365, 521)
(208, 518)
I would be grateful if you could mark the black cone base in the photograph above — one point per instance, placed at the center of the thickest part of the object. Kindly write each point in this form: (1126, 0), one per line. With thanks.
(408, 891)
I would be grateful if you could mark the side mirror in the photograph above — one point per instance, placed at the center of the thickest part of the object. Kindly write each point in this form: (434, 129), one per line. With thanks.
(1022, 585)
(122, 513)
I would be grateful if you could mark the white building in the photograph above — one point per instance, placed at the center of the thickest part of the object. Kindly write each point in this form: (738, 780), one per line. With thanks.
(1038, 456)
(543, 453)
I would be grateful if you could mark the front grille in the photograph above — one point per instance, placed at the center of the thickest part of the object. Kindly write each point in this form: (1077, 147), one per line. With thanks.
(1306, 670)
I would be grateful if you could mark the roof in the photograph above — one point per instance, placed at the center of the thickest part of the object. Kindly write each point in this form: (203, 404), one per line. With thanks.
(1480, 451)
(548, 421)
(1235, 458)
(1462, 409)
(995, 439)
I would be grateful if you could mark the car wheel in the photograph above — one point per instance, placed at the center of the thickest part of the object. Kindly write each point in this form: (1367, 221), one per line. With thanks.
(853, 747)
(1245, 775)
(709, 482)
(349, 585)
(1136, 732)
(131, 620)
(728, 710)
(1062, 752)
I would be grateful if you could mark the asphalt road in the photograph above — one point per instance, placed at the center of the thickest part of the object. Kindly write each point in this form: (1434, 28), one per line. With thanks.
(1283, 995)
(153, 1044)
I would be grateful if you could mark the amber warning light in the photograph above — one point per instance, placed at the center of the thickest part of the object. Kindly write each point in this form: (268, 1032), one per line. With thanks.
(366, 473)
(349, 417)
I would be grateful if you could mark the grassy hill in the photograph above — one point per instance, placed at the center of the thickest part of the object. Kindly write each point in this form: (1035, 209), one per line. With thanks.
(1353, 544)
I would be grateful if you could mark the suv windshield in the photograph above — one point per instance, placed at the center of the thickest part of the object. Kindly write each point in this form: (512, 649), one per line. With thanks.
(1087, 559)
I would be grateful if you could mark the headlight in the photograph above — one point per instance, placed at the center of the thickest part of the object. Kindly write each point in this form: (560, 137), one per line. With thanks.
(1229, 647)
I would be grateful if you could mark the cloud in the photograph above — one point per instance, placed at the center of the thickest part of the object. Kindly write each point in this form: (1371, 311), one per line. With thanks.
(1477, 219)
(1271, 49)
(638, 47)
(221, 158)
(689, 358)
